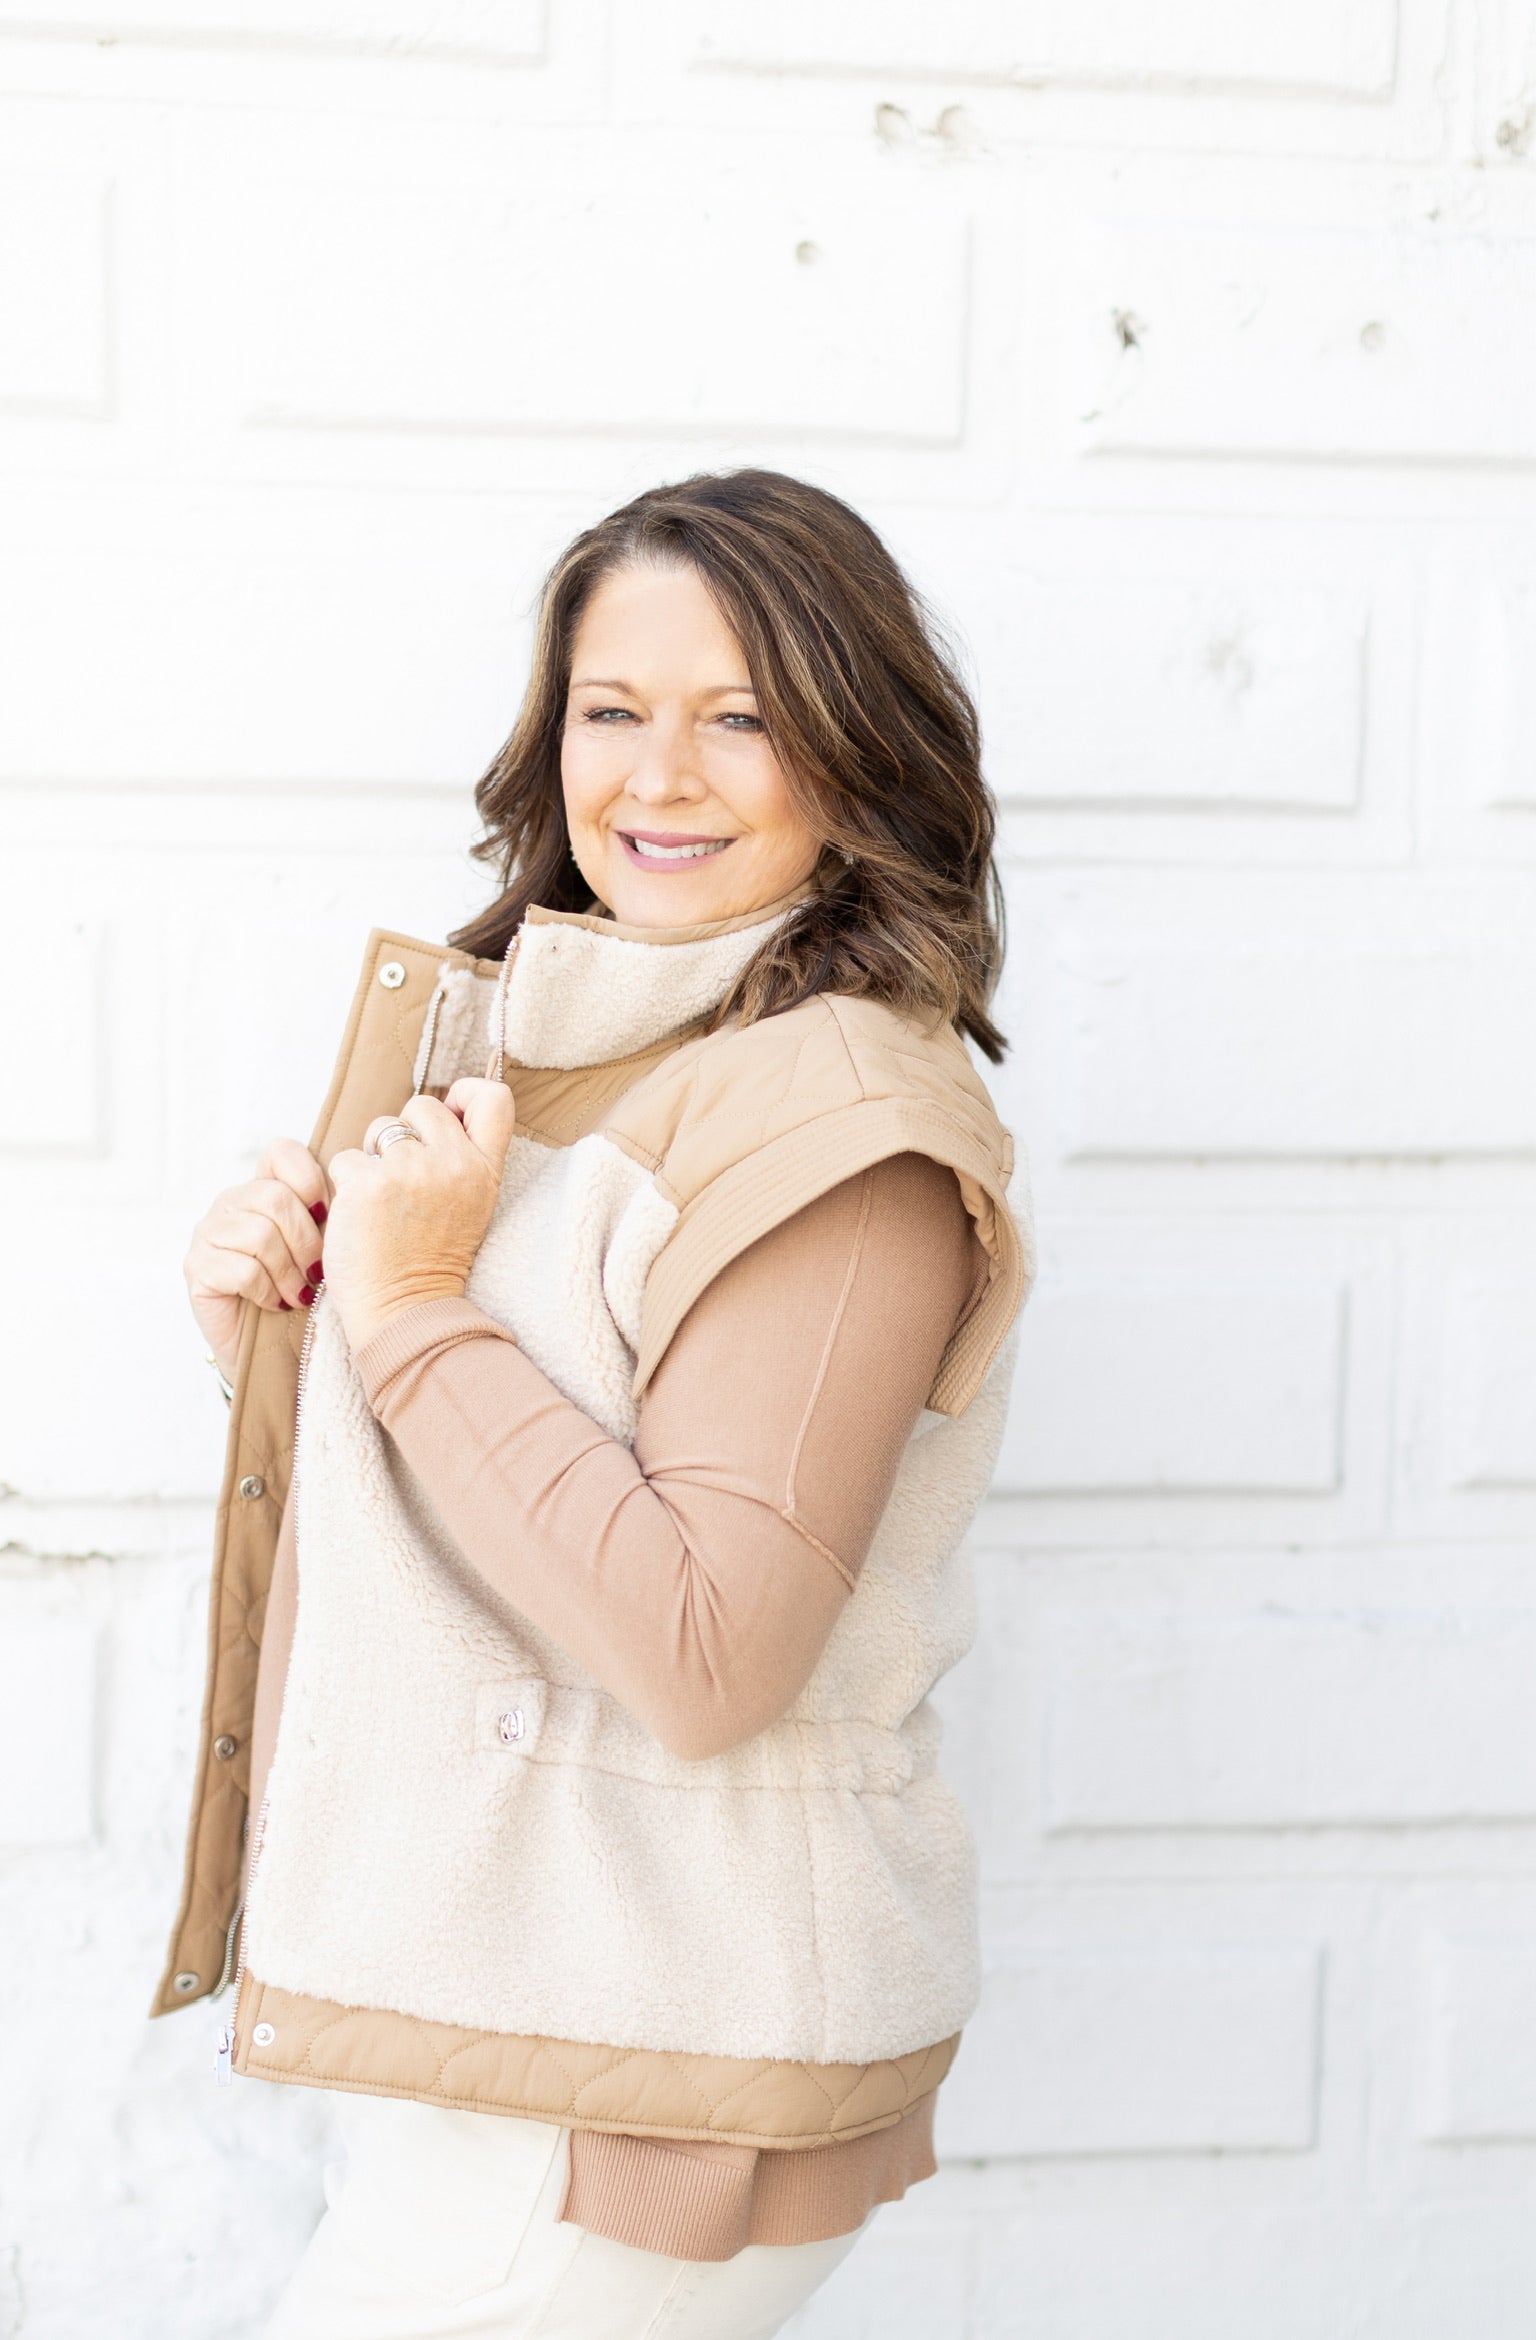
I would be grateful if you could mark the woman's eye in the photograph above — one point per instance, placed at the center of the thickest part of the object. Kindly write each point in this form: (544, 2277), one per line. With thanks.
(609, 715)
(742, 722)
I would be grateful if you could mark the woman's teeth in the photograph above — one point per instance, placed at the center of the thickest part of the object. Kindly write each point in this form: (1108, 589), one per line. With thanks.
(676, 852)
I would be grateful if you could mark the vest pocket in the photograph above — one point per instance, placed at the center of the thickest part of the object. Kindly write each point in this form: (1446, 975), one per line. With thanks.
(506, 1727)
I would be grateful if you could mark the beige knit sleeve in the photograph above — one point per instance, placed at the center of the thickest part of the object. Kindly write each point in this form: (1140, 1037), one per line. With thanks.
(699, 1576)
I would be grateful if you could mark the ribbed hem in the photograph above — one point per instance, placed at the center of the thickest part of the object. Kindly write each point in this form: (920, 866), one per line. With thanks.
(810, 2197)
(710, 2201)
(433, 1324)
(660, 2197)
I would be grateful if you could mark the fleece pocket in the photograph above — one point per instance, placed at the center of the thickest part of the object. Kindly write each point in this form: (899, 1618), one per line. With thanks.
(506, 1726)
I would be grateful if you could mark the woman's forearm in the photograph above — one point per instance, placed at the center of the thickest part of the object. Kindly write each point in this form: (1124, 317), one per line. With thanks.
(698, 1577)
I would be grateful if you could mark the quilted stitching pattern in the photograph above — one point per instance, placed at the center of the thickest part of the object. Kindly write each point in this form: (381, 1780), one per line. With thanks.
(732, 2099)
(372, 1074)
(748, 1124)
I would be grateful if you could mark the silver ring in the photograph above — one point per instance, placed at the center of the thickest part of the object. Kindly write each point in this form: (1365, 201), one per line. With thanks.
(392, 1133)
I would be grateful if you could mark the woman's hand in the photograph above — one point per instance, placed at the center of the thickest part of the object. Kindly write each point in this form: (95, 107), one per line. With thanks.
(405, 1224)
(258, 1242)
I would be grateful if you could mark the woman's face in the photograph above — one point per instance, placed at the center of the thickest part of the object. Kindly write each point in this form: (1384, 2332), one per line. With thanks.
(677, 807)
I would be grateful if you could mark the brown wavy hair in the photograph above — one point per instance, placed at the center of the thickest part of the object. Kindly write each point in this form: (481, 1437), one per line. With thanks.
(862, 704)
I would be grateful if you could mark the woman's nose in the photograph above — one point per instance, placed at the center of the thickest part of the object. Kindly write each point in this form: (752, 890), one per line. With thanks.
(666, 768)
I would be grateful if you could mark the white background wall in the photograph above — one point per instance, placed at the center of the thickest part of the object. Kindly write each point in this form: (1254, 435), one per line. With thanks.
(1186, 350)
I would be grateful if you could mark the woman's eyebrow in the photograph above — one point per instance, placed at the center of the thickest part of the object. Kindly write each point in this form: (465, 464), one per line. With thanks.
(607, 682)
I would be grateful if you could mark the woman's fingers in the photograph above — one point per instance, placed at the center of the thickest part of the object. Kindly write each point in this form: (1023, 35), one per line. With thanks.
(242, 1276)
(352, 1162)
(264, 1221)
(267, 1223)
(489, 1116)
(408, 1221)
(430, 1119)
(383, 1121)
(479, 1111)
(259, 1242)
(296, 1233)
(295, 1167)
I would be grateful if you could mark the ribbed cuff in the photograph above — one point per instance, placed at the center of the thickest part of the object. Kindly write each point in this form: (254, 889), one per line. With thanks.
(434, 1324)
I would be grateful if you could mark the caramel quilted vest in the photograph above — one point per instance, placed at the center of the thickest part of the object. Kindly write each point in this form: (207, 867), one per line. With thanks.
(478, 1879)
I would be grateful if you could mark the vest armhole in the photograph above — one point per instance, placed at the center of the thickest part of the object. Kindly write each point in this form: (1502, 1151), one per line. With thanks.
(756, 1195)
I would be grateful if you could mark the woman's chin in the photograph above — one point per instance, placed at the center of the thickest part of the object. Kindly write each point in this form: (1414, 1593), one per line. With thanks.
(682, 897)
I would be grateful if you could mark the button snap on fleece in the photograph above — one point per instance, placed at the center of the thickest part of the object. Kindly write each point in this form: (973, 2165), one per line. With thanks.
(391, 974)
(263, 2035)
(185, 1983)
(225, 1746)
(511, 1725)
(252, 1487)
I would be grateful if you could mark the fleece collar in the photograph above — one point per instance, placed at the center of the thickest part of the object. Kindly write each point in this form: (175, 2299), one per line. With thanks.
(581, 989)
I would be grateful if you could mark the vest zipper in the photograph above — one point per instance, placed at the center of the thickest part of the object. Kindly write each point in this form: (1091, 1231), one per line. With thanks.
(225, 2039)
(224, 2043)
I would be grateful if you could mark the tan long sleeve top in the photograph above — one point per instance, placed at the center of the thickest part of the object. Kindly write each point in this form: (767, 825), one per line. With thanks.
(696, 1577)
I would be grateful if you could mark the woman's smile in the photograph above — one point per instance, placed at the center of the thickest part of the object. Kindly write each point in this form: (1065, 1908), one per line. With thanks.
(662, 850)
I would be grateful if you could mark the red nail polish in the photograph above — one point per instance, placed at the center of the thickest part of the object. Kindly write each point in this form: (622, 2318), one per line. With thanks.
(316, 1274)
(283, 1304)
(305, 1297)
(317, 1213)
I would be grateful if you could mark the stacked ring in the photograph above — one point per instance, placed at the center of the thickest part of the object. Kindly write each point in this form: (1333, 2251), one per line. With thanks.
(392, 1133)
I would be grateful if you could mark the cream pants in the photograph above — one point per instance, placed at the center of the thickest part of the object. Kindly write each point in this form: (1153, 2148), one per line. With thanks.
(444, 2223)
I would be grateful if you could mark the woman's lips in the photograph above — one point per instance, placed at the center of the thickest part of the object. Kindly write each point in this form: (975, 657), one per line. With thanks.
(661, 850)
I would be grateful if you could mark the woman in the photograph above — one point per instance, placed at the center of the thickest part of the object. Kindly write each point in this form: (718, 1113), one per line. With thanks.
(649, 1382)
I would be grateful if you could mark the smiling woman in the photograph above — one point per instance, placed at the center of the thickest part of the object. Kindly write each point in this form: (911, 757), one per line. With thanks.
(678, 808)
(653, 1368)
(862, 722)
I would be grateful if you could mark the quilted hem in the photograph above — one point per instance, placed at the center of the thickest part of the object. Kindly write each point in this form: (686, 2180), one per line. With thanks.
(729, 2100)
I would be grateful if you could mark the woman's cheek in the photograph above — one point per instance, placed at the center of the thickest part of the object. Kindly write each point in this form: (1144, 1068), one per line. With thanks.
(586, 780)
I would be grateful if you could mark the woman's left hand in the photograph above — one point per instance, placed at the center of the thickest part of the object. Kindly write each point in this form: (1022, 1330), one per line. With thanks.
(405, 1225)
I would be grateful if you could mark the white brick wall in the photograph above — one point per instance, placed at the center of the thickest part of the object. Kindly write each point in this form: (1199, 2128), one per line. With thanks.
(1186, 353)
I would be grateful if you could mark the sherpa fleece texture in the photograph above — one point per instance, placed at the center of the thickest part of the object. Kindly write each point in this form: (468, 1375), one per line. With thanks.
(583, 991)
(809, 1895)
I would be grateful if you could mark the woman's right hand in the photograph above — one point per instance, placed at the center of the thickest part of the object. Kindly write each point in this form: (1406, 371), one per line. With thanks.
(258, 1242)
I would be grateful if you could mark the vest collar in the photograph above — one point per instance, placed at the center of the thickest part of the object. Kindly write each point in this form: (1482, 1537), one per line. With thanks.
(580, 989)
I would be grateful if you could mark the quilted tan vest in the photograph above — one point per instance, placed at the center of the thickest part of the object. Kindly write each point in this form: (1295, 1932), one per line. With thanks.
(464, 1832)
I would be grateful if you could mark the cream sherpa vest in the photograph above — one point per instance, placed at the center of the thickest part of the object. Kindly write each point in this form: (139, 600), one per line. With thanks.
(463, 1826)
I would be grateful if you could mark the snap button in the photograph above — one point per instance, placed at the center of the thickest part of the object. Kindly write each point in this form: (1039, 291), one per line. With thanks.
(185, 1983)
(511, 1725)
(391, 974)
(225, 1746)
(252, 1487)
(263, 2035)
